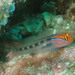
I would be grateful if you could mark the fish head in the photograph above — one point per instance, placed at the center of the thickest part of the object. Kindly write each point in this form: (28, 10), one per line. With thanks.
(62, 40)
(68, 38)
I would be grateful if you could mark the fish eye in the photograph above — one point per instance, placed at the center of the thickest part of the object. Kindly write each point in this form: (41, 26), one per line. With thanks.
(65, 38)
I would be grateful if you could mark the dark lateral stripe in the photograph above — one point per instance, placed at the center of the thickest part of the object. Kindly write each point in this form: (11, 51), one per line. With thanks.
(36, 44)
(16, 49)
(25, 48)
(42, 41)
(31, 46)
(20, 49)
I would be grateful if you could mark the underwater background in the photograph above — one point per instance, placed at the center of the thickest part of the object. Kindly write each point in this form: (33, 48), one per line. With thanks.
(23, 21)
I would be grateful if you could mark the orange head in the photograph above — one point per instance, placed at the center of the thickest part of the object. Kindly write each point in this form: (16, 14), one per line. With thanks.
(62, 39)
(66, 37)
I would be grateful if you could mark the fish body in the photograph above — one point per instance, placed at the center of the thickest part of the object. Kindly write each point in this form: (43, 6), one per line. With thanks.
(44, 44)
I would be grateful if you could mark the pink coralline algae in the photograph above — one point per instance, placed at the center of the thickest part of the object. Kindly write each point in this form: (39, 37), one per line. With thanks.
(41, 64)
(6, 7)
(68, 54)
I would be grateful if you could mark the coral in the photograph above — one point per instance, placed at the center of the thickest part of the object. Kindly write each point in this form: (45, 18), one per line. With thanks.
(47, 17)
(39, 23)
(62, 6)
(33, 24)
(58, 24)
(70, 12)
(6, 7)
(69, 54)
(63, 25)
(14, 34)
(48, 63)
(49, 6)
